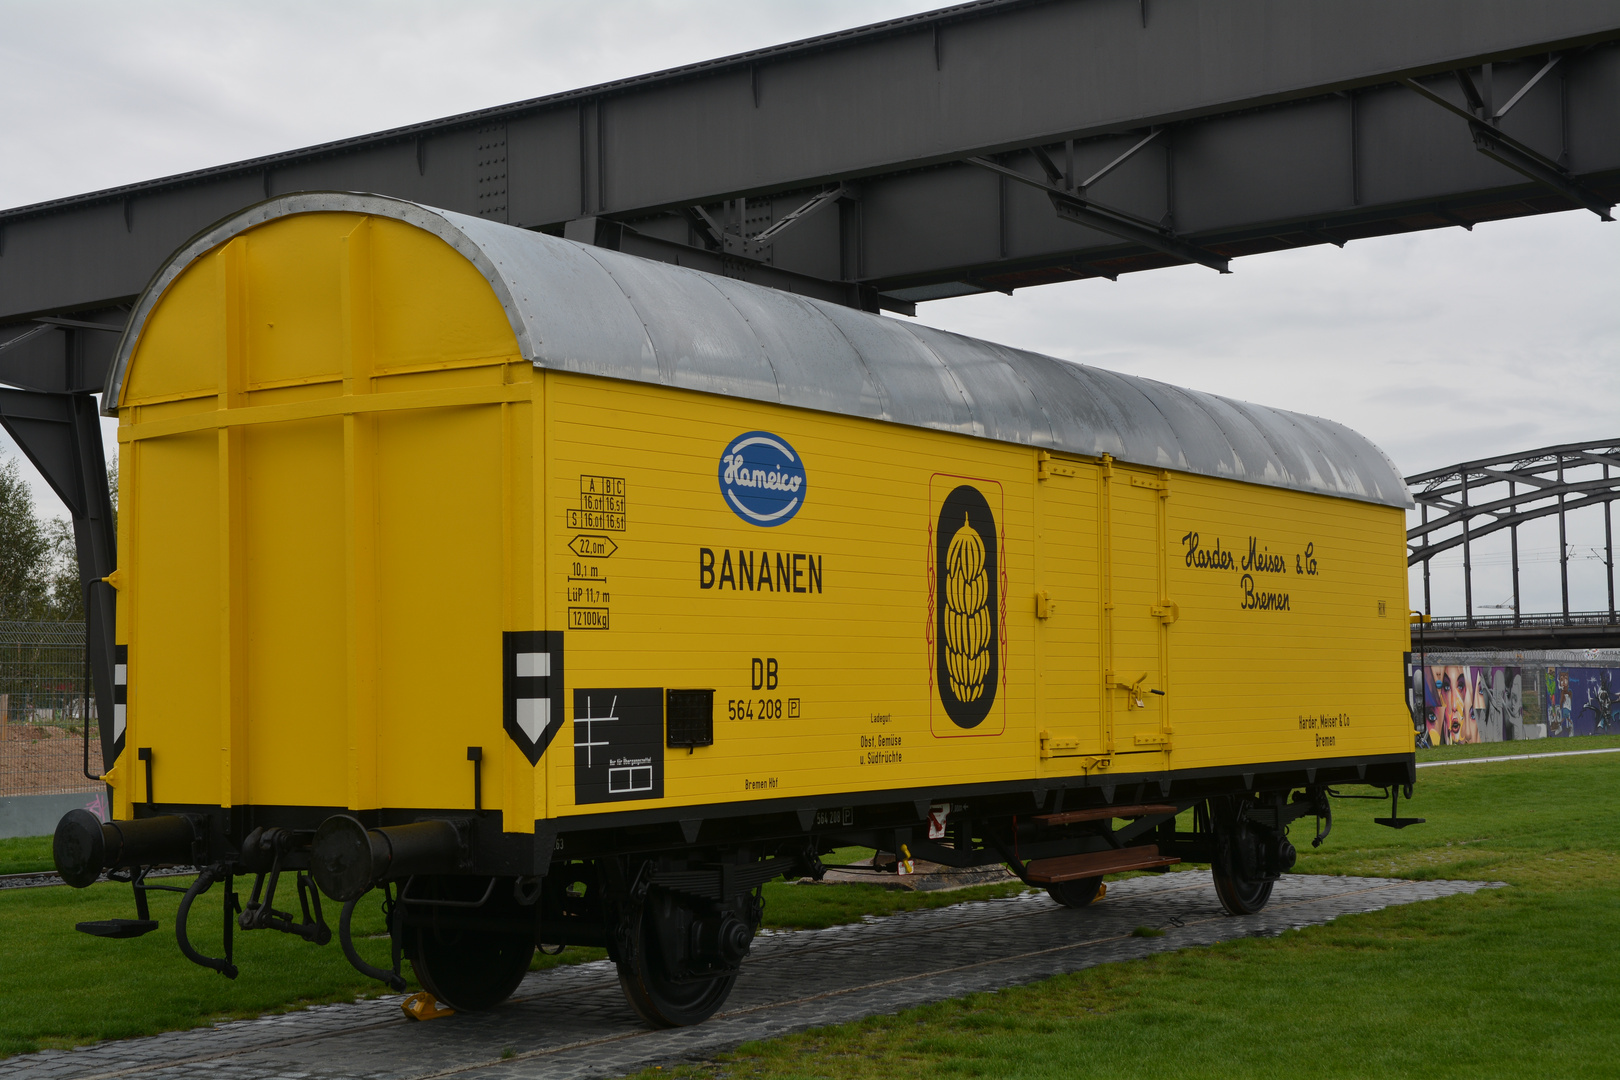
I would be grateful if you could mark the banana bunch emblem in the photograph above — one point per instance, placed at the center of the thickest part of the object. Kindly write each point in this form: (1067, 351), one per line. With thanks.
(968, 623)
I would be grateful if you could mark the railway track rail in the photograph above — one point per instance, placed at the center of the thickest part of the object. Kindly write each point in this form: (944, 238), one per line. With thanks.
(47, 878)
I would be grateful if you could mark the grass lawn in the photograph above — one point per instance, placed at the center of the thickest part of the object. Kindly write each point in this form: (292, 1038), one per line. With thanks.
(26, 855)
(1509, 982)
(1530, 746)
(1522, 973)
(67, 988)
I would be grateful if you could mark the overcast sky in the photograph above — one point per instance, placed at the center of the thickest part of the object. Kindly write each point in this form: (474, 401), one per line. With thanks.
(1440, 346)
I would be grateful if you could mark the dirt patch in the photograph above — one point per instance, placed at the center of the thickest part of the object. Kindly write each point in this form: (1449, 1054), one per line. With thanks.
(39, 760)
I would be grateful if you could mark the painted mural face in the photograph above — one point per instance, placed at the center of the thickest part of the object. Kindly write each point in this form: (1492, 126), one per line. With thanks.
(1456, 698)
(1464, 725)
(1438, 692)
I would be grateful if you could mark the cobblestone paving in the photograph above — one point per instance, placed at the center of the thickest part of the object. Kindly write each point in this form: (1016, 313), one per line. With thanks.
(573, 1022)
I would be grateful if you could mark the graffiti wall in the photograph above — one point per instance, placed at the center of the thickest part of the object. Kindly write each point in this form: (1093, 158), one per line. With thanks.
(1579, 701)
(1472, 703)
(1469, 704)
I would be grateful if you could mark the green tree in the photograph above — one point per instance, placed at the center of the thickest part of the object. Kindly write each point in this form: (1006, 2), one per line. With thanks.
(62, 573)
(66, 590)
(25, 549)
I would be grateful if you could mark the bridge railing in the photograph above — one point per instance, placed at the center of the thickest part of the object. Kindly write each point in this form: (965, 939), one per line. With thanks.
(1492, 622)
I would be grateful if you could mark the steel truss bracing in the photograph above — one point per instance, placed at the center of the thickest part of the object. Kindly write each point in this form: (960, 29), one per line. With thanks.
(993, 145)
(1461, 504)
(58, 365)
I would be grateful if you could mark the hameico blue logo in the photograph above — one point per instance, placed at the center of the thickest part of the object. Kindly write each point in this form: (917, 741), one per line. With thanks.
(762, 479)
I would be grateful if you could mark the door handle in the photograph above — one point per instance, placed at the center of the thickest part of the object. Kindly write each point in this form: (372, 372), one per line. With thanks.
(1135, 689)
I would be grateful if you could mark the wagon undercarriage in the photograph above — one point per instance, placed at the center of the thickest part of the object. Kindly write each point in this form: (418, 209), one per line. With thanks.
(678, 915)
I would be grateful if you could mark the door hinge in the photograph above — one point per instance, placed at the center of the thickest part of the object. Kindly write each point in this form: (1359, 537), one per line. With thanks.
(1166, 613)
(1052, 747)
(1159, 484)
(1046, 466)
(1156, 738)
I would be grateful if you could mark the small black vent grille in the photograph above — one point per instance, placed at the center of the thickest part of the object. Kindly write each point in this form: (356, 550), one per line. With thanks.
(689, 718)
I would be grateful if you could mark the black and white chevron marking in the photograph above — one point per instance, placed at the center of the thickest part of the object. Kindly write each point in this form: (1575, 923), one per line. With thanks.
(532, 667)
(120, 696)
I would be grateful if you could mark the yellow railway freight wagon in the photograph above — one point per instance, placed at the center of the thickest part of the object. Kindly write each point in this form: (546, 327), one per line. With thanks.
(566, 597)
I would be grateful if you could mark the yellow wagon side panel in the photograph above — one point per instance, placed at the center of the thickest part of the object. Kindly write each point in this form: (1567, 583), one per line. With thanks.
(292, 298)
(439, 534)
(1291, 628)
(174, 704)
(183, 339)
(321, 559)
(1137, 682)
(1070, 658)
(347, 497)
(430, 306)
(1145, 663)
(296, 627)
(851, 652)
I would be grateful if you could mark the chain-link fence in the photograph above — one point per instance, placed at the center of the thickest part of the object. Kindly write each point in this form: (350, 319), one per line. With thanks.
(42, 710)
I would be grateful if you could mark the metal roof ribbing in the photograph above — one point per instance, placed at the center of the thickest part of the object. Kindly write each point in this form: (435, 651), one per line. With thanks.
(592, 311)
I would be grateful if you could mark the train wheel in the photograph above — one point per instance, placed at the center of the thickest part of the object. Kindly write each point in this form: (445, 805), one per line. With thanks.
(1239, 867)
(1075, 894)
(1241, 895)
(659, 998)
(469, 970)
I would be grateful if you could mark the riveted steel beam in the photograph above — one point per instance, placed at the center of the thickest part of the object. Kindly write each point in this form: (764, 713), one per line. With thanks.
(1281, 125)
(1499, 146)
(1073, 208)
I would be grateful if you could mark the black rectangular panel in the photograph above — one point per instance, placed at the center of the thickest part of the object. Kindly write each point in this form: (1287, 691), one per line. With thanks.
(618, 744)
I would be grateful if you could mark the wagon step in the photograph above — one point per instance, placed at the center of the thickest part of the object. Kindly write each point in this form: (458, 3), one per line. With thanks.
(1095, 864)
(1103, 813)
(117, 928)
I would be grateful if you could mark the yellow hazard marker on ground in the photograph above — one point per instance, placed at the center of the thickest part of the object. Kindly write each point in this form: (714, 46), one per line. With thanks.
(424, 1006)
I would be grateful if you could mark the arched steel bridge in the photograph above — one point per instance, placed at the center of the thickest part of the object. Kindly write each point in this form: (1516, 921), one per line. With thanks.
(1462, 504)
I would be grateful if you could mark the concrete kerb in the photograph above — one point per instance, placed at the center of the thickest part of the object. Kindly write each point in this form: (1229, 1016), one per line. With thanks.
(37, 815)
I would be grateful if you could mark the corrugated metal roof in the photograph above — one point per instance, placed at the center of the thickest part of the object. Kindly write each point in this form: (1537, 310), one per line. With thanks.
(588, 310)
